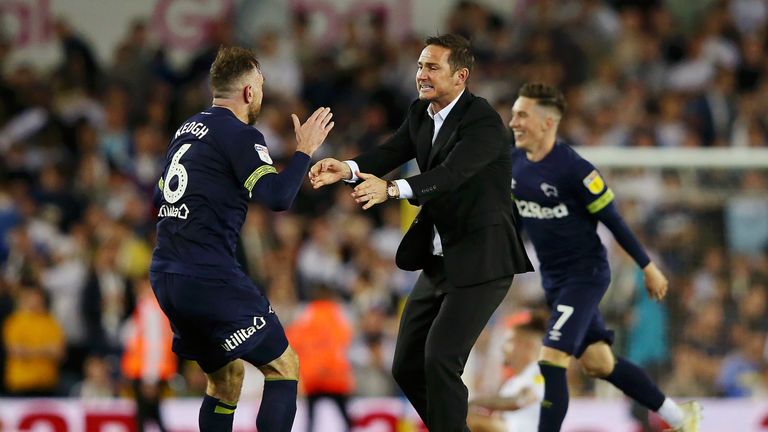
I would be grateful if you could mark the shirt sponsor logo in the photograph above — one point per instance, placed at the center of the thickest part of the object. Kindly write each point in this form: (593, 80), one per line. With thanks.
(533, 210)
(239, 336)
(594, 183)
(167, 210)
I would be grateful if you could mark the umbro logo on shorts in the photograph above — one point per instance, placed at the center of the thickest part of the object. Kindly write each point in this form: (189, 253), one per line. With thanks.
(238, 337)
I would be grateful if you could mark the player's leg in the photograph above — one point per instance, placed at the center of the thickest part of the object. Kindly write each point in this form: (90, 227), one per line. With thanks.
(278, 402)
(553, 364)
(195, 307)
(599, 361)
(221, 395)
(574, 300)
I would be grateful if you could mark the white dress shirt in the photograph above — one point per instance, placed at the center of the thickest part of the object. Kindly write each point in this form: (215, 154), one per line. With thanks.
(405, 189)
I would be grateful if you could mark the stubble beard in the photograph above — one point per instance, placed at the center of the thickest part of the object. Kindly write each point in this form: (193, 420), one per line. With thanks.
(253, 112)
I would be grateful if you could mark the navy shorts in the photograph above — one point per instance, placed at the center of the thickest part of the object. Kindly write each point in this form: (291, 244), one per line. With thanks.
(573, 298)
(215, 321)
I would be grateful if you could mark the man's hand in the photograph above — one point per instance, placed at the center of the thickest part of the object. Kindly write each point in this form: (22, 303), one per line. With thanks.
(328, 171)
(312, 133)
(655, 282)
(371, 191)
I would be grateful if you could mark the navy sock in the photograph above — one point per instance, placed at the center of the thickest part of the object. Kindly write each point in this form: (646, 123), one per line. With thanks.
(278, 406)
(636, 384)
(215, 415)
(555, 403)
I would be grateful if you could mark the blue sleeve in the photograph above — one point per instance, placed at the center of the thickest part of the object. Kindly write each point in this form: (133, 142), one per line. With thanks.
(253, 168)
(598, 199)
(611, 218)
(278, 191)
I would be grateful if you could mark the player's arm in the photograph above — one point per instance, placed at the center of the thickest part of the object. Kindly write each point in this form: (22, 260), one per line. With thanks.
(599, 199)
(263, 182)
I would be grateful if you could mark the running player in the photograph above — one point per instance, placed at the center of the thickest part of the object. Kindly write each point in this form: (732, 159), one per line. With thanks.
(560, 197)
(216, 163)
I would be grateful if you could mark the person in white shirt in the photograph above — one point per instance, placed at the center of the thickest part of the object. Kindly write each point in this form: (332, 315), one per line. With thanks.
(516, 406)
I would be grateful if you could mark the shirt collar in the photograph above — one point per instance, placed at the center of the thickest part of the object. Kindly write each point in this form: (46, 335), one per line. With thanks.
(443, 113)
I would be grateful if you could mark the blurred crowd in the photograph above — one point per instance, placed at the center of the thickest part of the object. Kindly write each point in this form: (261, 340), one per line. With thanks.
(82, 146)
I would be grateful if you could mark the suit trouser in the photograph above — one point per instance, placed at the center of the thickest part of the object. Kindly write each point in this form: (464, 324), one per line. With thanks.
(439, 326)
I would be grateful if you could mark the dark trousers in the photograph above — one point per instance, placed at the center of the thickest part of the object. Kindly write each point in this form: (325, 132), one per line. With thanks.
(148, 406)
(439, 326)
(341, 403)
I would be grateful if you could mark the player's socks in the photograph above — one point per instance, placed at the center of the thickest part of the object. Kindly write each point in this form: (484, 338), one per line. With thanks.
(555, 403)
(636, 384)
(278, 406)
(671, 412)
(215, 415)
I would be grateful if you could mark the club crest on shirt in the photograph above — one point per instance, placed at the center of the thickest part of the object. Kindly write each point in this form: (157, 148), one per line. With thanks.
(263, 153)
(549, 190)
(594, 183)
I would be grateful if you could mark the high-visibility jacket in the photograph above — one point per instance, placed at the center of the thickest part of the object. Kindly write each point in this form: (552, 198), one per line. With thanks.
(148, 355)
(321, 337)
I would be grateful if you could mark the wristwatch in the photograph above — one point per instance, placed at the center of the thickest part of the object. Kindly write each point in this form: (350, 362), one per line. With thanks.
(392, 190)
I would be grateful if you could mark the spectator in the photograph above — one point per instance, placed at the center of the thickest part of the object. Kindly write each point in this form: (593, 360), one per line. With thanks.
(321, 336)
(34, 341)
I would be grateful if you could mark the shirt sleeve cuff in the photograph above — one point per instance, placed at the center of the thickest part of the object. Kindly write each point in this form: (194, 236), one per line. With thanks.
(405, 189)
(354, 168)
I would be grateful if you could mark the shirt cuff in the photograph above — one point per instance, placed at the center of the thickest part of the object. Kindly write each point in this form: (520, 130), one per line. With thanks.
(352, 166)
(405, 189)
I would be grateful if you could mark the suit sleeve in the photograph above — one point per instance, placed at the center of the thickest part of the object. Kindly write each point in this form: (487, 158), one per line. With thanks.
(598, 198)
(480, 143)
(253, 168)
(393, 153)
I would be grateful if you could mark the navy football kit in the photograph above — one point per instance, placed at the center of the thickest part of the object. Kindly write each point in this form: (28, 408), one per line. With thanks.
(215, 165)
(559, 201)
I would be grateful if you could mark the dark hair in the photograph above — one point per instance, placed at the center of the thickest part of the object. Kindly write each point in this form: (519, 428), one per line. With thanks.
(230, 65)
(545, 95)
(461, 54)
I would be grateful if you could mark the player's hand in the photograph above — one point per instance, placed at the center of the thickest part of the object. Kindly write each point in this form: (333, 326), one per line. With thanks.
(655, 282)
(371, 191)
(328, 171)
(312, 132)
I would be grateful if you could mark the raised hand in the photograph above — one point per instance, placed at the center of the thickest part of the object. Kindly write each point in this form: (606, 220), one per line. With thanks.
(328, 171)
(312, 133)
(371, 191)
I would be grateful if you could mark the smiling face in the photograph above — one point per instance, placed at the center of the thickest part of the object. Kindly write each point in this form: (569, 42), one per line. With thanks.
(435, 81)
(530, 123)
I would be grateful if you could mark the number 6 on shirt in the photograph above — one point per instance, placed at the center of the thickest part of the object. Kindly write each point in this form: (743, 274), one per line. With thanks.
(176, 169)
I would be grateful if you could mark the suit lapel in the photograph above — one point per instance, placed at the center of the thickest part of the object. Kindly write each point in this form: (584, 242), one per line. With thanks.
(449, 126)
(424, 140)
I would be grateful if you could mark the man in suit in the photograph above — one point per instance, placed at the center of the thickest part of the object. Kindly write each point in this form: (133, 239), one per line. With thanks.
(464, 238)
